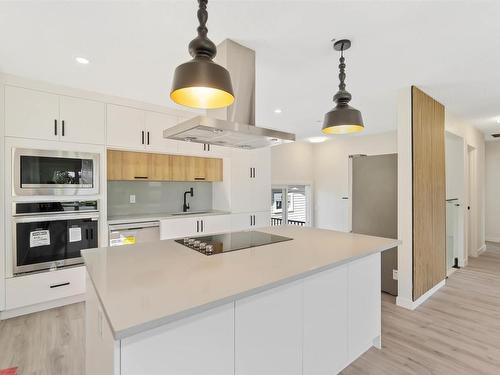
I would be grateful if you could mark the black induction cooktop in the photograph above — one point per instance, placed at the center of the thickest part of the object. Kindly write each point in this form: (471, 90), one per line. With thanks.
(223, 243)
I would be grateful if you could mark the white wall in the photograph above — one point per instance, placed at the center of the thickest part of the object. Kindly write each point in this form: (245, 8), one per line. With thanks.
(492, 191)
(291, 164)
(331, 172)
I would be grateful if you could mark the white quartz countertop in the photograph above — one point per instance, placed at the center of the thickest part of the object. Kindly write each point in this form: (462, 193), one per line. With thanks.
(147, 285)
(137, 218)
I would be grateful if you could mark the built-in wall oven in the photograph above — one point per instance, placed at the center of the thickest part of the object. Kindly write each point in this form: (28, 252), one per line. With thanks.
(48, 235)
(47, 172)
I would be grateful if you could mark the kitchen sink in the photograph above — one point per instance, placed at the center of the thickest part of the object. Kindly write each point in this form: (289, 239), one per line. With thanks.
(190, 213)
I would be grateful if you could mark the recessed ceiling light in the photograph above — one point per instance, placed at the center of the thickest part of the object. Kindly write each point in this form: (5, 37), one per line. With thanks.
(278, 111)
(317, 139)
(82, 60)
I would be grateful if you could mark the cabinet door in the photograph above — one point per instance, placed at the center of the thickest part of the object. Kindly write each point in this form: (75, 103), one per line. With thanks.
(178, 228)
(199, 345)
(82, 121)
(325, 317)
(179, 167)
(364, 304)
(268, 332)
(216, 224)
(260, 161)
(262, 219)
(213, 169)
(161, 168)
(136, 166)
(31, 114)
(240, 222)
(241, 191)
(155, 124)
(195, 168)
(125, 127)
(114, 165)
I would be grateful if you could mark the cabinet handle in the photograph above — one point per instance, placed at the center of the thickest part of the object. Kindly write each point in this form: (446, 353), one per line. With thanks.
(141, 177)
(199, 178)
(208, 147)
(204, 147)
(254, 172)
(55, 127)
(142, 137)
(251, 172)
(250, 220)
(62, 128)
(59, 285)
(148, 137)
(197, 226)
(201, 226)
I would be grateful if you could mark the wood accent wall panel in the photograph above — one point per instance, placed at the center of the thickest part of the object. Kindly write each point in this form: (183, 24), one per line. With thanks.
(429, 193)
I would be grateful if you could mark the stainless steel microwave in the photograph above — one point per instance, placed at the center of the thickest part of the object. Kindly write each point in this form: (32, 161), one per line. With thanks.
(47, 172)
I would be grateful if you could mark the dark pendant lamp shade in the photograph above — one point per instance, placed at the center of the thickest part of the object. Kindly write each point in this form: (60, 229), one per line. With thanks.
(201, 83)
(343, 118)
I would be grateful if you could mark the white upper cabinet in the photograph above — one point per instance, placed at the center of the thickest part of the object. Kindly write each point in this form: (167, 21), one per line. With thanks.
(41, 115)
(125, 127)
(155, 124)
(82, 121)
(251, 180)
(31, 114)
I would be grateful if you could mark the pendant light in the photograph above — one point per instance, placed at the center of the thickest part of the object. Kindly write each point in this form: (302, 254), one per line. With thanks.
(201, 83)
(343, 118)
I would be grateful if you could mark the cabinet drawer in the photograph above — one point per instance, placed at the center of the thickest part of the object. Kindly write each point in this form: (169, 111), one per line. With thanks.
(43, 287)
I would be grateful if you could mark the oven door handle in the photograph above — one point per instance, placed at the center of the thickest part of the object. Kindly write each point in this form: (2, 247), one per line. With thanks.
(35, 218)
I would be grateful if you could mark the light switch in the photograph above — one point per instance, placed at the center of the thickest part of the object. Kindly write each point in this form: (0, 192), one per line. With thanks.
(132, 198)
(394, 274)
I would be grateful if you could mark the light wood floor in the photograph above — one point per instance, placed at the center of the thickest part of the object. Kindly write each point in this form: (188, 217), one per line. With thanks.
(456, 332)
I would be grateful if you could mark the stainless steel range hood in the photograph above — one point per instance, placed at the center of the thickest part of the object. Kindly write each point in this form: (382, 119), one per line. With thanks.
(233, 126)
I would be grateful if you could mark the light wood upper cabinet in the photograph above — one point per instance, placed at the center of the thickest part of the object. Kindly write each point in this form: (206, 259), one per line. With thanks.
(161, 167)
(133, 166)
(136, 166)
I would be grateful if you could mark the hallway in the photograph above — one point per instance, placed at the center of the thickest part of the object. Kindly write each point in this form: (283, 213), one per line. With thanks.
(457, 331)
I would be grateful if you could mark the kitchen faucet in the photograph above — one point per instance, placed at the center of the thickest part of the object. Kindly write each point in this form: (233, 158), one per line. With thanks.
(185, 206)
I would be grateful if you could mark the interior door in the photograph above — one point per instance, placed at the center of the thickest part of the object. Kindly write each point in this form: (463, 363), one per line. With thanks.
(374, 206)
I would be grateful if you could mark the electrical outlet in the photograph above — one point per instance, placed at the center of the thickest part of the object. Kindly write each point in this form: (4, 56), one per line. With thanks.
(394, 274)
(132, 198)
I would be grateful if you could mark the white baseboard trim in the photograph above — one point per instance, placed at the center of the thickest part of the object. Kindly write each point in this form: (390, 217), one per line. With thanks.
(481, 250)
(492, 239)
(7, 314)
(412, 305)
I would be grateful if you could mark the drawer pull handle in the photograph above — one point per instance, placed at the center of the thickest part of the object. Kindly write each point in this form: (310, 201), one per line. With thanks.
(59, 285)
(141, 177)
(199, 178)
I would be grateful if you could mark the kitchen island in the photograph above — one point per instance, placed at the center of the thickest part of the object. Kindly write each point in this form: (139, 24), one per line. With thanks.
(310, 305)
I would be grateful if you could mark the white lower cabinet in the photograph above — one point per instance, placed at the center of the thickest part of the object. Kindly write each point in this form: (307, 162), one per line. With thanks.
(194, 226)
(101, 350)
(364, 304)
(268, 332)
(325, 317)
(250, 221)
(199, 345)
(44, 287)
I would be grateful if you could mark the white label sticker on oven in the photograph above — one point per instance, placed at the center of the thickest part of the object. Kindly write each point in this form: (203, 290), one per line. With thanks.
(75, 234)
(39, 238)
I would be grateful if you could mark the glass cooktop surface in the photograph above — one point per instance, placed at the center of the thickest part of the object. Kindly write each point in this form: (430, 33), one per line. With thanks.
(226, 242)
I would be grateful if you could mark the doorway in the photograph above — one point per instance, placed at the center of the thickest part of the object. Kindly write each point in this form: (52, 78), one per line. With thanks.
(295, 209)
(374, 207)
(471, 202)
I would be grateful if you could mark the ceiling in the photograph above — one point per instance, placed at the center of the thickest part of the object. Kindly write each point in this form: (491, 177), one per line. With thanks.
(449, 49)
